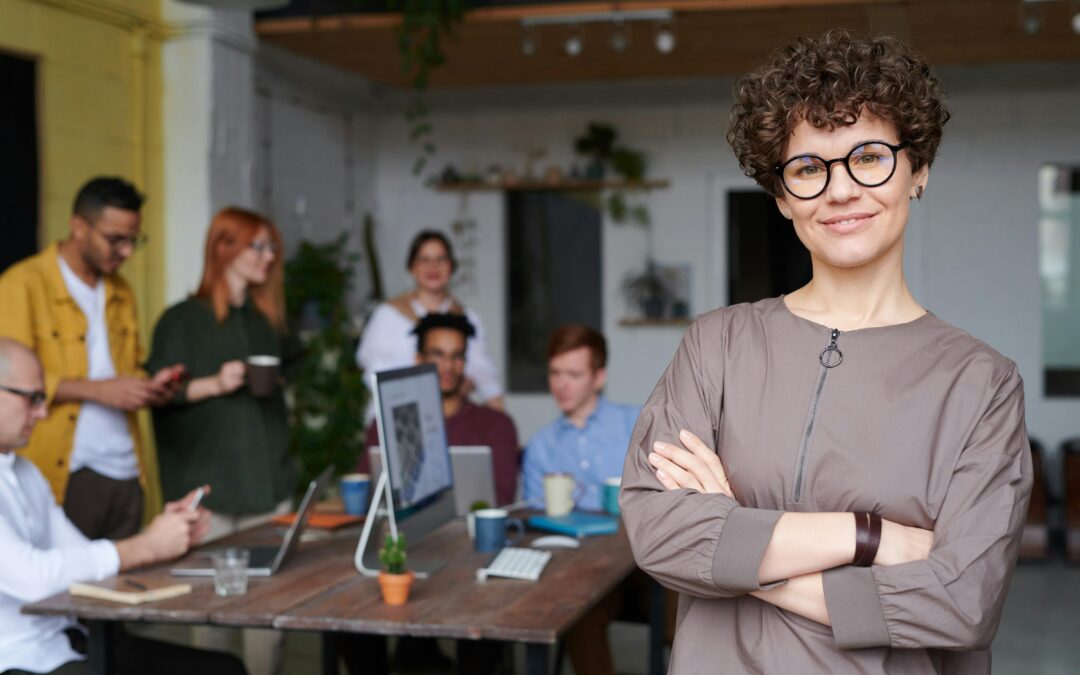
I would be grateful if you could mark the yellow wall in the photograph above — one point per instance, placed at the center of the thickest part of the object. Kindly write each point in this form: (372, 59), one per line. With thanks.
(99, 112)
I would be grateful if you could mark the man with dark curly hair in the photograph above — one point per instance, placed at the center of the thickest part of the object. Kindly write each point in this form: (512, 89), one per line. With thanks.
(834, 480)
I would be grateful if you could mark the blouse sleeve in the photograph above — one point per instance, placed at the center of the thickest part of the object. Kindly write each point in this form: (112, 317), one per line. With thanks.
(385, 343)
(479, 366)
(701, 544)
(953, 599)
(169, 346)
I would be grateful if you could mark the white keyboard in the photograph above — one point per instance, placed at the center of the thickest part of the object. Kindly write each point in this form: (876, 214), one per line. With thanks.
(516, 563)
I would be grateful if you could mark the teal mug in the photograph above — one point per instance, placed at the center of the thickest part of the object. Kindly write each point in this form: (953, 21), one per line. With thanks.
(609, 497)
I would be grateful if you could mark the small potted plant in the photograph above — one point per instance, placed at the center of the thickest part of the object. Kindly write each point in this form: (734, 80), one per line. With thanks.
(647, 291)
(394, 580)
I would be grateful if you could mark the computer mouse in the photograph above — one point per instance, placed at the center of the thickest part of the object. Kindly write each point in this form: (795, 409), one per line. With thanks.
(556, 541)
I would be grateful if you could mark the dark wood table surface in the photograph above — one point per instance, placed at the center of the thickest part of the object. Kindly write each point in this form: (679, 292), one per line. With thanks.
(319, 589)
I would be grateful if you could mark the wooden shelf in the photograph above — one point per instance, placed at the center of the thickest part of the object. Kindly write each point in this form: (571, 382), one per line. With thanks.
(563, 186)
(639, 323)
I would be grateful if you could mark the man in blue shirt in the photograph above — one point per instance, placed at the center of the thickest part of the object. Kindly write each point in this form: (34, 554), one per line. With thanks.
(589, 442)
(590, 438)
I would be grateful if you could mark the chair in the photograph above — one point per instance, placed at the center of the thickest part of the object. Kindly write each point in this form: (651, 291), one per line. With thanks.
(1070, 451)
(1035, 541)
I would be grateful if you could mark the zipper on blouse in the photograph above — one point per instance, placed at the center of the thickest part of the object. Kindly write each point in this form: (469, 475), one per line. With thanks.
(829, 358)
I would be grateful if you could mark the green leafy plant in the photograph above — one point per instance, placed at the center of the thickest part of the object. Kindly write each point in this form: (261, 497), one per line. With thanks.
(326, 392)
(478, 505)
(599, 144)
(392, 554)
(424, 26)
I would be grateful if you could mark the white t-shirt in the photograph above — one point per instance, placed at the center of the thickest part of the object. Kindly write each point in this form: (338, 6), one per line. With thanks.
(102, 441)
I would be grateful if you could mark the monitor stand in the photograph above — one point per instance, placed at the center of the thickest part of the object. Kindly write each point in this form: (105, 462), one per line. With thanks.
(416, 526)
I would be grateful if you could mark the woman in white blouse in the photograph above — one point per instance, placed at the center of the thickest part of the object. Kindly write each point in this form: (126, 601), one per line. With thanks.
(387, 342)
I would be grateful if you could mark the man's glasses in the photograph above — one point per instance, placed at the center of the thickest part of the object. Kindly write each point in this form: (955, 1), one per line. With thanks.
(36, 397)
(117, 241)
(869, 164)
(435, 355)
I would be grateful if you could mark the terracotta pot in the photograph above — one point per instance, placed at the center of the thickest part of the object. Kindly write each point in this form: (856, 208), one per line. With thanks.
(395, 587)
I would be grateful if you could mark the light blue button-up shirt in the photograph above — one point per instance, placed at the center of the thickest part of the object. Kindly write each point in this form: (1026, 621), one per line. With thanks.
(591, 454)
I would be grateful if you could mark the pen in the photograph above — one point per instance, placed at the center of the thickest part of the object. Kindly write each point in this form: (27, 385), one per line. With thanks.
(136, 584)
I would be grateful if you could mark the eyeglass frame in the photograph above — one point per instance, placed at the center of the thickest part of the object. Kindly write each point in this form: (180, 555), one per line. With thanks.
(37, 397)
(895, 148)
(115, 241)
(261, 247)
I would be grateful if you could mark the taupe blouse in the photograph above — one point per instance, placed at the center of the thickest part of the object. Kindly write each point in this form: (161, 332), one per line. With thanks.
(919, 422)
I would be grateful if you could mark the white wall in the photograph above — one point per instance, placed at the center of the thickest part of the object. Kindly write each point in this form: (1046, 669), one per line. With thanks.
(316, 152)
(972, 243)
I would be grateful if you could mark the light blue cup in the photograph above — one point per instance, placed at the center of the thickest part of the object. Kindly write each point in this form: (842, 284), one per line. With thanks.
(355, 490)
(609, 496)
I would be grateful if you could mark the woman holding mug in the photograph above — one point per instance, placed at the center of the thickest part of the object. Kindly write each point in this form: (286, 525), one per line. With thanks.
(834, 480)
(388, 342)
(217, 430)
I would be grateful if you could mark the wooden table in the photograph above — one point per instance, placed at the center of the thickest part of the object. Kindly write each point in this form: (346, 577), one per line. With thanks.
(320, 590)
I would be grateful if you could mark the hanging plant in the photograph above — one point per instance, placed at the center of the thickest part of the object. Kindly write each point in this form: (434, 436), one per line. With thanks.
(599, 144)
(424, 25)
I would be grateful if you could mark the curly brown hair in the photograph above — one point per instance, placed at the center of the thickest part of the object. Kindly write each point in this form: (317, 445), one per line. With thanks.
(827, 81)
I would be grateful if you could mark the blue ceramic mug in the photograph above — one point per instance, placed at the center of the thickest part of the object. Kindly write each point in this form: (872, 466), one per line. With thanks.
(491, 527)
(609, 497)
(355, 489)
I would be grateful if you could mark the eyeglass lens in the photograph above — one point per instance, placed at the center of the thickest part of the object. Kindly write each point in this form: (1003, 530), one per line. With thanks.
(870, 165)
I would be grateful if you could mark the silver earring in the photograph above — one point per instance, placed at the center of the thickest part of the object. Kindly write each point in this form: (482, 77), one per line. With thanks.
(918, 191)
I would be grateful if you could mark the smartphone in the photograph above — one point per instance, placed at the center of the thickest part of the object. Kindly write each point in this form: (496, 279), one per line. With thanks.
(181, 375)
(196, 499)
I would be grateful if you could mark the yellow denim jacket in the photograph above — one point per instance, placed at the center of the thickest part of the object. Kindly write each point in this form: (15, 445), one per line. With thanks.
(37, 310)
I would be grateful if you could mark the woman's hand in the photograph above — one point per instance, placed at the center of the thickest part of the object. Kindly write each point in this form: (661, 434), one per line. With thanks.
(901, 544)
(695, 466)
(230, 377)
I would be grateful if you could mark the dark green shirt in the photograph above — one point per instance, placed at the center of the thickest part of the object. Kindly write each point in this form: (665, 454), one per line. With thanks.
(237, 443)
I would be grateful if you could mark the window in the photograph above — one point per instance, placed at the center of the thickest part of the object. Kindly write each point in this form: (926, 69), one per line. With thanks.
(1059, 269)
(553, 276)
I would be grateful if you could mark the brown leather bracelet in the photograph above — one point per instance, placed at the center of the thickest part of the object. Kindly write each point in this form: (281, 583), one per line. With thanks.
(874, 541)
(862, 537)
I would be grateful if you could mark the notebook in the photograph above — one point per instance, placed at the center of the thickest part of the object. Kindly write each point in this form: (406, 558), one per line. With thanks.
(127, 591)
(576, 524)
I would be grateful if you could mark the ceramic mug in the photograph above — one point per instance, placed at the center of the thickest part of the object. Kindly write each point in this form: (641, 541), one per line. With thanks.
(262, 374)
(561, 491)
(490, 525)
(355, 489)
(609, 497)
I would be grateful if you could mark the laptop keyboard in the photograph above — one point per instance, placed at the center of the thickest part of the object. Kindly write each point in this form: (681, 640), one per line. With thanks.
(516, 563)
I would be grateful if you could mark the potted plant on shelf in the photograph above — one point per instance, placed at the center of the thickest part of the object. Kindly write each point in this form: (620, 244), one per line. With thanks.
(394, 580)
(647, 291)
(597, 143)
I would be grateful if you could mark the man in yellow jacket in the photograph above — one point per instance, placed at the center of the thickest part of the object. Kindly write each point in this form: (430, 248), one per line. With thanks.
(69, 305)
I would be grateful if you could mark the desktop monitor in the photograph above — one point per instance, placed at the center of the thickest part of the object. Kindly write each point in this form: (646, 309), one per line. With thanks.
(412, 434)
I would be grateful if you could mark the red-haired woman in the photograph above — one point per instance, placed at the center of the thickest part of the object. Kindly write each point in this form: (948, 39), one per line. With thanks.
(216, 431)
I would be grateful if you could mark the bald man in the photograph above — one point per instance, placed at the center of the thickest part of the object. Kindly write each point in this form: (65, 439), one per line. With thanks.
(43, 552)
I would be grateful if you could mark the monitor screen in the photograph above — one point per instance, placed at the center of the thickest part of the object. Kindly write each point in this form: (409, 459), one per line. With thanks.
(412, 431)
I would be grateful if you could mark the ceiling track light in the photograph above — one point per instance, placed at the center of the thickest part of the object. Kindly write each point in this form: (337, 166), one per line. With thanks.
(620, 36)
(574, 45)
(528, 41)
(1032, 19)
(664, 37)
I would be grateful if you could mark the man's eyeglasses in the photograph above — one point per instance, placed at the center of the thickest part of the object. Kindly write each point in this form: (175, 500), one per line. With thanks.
(869, 164)
(117, 241)
(36, 397)
(435, 355)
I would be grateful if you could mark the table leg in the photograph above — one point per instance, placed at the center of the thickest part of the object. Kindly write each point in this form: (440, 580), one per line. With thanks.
(100, 647)
(537, 659)
(657, 627)
(329, 653)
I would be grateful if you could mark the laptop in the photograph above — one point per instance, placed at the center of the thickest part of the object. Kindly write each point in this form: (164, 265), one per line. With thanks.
(474, 474)
(265, 561)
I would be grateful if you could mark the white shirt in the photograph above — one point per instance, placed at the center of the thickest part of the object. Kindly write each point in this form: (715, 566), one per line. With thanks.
(102, 441)
(41, 553)
(387, 344)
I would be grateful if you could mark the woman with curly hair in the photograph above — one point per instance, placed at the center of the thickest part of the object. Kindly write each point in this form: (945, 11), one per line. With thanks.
(834, 480)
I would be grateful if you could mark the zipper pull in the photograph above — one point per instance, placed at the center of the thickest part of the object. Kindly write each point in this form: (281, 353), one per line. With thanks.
(826, 357)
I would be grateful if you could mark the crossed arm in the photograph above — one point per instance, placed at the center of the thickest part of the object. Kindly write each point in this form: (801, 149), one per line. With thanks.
(803, 545)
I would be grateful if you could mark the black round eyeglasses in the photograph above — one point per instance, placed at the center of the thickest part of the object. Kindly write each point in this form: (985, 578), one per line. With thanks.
(869, 164)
